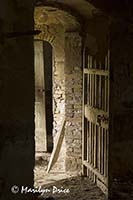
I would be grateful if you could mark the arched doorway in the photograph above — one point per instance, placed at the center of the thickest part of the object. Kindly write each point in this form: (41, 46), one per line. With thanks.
(62, 30)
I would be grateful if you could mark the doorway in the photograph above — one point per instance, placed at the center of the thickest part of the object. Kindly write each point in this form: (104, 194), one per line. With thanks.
(48, 82)
(43, 103)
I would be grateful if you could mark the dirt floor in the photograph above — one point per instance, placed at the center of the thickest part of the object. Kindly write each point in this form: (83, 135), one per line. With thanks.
(61, 186)
(74, 188)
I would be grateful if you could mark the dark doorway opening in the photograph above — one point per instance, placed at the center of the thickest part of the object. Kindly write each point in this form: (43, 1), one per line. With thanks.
(48, 82)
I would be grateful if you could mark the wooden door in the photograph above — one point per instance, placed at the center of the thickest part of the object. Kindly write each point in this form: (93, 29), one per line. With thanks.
(96, 119)
(40, 117)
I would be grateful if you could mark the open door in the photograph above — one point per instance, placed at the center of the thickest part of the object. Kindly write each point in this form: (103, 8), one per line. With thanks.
(96, 119)
(40, 116)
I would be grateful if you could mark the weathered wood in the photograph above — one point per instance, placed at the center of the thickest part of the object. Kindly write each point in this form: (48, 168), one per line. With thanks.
(100, 95)
(90, 144)
(102, 152)
(103, 92)
(57, 146)
(40, 110)
(90, 90)
(95, 147)
(105, 153)
(105, 104)
(95, 171)
(84, 139)
(93, 90)
(107, 150)
(96, 72)
(99, 149)
(96, 113)
(95, 97)
(90, 62)
(102, 186)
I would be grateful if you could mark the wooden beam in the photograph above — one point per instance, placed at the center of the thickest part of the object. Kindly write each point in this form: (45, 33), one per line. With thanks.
(57, 147)
(96, 172)
(102, 186)
(96, 72)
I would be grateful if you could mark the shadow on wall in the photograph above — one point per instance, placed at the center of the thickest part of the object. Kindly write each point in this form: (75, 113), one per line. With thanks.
(17, 101)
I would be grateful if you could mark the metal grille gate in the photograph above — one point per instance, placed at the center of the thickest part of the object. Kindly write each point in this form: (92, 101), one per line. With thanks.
(96, 119)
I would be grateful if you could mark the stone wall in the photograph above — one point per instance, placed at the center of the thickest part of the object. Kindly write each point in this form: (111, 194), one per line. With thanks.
(73, 101)
(67, 90)
(58, 80)
(55, 36)
(59, 95)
